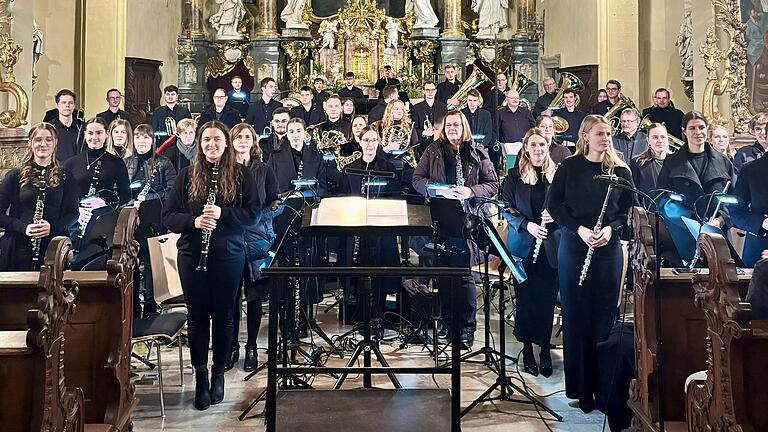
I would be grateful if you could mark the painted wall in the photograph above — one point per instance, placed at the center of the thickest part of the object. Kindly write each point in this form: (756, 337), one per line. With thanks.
(104, 52)
(575, 39)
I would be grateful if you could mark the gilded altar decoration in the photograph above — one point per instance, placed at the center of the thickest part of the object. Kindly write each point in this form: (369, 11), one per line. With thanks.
(490, 53)
(9, 56)
(297, 51)
(190, 73)
(423, 51)
(187, 50)
(228, 56)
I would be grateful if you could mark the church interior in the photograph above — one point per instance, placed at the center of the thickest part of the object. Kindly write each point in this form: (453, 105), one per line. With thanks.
(686, 337)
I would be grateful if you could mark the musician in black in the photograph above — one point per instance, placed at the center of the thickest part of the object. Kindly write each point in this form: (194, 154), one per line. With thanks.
(663, 111)
(356, 127)
(751, 214)
(545, 100)
(184, 150)
(319, 95)
(480, 122)
(693, 171)
(533, 237)
(350, 90)
(449, 87)
(152, 176)
(171, 109)
(758, 127)
(427, 113)
(239, 98)
(573, 116)
(225, 207)
(612, 92)
(99, 177)
(494, 99)
(39, 179)
(270, 143)
(220, 110)
(647, 165)
(113, 112)
(388, 79)
(389, 93)
(259, 235)
(576, 202)
(120, 138)
(307, 111)
(69, 126)
(472, 176)
(347, 109)
(260, 112)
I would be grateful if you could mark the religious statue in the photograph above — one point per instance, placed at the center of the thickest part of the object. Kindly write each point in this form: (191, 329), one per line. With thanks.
(37, 49)
(329, 29)
(683, 45)
(227, 19)
(393, 34)
(492, 16)
(292, 14)
(422, 9)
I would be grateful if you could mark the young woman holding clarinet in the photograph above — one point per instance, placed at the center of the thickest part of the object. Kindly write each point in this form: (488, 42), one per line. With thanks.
(592, 213)
(213, 201)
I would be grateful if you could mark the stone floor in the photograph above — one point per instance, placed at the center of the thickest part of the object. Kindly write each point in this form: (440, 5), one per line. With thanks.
(488, 417)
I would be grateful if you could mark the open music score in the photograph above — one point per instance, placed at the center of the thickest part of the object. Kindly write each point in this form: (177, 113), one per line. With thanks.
(358, 211)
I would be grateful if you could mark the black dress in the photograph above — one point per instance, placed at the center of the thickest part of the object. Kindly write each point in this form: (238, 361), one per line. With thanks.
(17, 209)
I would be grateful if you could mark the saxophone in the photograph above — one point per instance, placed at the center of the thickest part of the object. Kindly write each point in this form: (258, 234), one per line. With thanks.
(90, 195)
(38, 218)
(597, 228)
(213, 188)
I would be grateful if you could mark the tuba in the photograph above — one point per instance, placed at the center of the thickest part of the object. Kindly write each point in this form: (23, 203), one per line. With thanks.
(473, 81)
(520, 84)
(614, 112)
(568, 81)
(400, 135)
(674, 142)
(561, 124)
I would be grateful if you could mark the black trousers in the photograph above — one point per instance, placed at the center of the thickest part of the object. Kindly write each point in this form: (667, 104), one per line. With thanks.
(589, 311)
(210, 298)
(255, 293)
(535, 302)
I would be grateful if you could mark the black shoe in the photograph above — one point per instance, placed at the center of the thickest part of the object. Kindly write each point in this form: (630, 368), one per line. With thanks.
(443, 332)
(217, 385)
(233, 358)
(587, 406)
(251, 361)
(529, 363)
(467, 338)
(545, 360)
(202, 393)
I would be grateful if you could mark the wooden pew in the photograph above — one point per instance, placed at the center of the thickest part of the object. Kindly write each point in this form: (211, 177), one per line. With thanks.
(734, 395)
(35, 394)
(683, 332)
(98, 332)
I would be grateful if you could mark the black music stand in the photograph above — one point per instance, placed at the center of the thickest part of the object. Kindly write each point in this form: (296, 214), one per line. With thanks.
(504, 382)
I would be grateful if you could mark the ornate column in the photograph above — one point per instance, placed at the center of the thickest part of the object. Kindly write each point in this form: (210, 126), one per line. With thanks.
(265, 48)
(526, 18)
(452, 18)
(192, 16)
(267, 19)
(453, 41)
(525, 45)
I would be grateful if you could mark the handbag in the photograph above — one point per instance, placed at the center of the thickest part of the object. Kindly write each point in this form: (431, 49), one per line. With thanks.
(163, 254)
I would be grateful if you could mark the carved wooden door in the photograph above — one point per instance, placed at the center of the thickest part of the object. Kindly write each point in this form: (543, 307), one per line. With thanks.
(142, 88)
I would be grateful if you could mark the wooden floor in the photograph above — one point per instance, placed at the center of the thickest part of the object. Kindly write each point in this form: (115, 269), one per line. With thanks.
(497, 416)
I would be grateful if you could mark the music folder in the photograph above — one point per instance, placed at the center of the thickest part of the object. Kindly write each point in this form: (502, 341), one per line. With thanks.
(356, 215)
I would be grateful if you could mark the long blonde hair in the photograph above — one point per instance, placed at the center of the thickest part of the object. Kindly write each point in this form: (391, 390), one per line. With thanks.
(56, 173)
(611, 159)
(526, 167)
(387, 120)
(128, 148)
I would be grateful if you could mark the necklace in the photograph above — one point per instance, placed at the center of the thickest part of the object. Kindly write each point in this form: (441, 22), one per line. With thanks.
(88, 163)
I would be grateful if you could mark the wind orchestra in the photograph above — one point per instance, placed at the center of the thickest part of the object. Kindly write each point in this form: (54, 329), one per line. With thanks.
(232, 194)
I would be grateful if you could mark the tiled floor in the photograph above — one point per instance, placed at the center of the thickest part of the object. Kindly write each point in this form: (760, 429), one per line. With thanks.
(488, 417)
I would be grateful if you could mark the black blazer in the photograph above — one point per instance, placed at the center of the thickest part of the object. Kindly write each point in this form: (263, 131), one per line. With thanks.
(281, 162)
(350, 184)
(314, 116)
(229, 116)
(421, 112)
(752, 208)
(519, 241)
(481, 124)
(644, 175)
(377, 112)
(260, 114)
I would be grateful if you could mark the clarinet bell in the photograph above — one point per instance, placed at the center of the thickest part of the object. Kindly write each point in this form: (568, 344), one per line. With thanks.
(203, 264)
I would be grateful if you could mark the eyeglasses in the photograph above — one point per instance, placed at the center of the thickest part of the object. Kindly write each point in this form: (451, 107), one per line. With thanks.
(369, 140)
(220, 97)
(430, 90)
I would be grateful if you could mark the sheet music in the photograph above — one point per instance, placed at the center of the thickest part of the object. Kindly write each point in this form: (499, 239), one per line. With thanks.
(357, 211)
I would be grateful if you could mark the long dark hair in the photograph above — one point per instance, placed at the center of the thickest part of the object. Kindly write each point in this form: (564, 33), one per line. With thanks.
(229, 170)
(56, 173)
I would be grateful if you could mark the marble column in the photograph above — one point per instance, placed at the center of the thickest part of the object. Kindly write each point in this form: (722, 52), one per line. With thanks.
(453, 43)
(267, 19)
(525, 52)
(452, 18)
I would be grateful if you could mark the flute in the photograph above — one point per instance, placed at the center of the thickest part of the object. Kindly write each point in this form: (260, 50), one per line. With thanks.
(598, 227)
(213, 188)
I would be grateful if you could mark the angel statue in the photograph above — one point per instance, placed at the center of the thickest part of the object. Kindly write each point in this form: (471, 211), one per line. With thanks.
(329, 29)
(393, 34)
(226, 20)
(492, 16)
(684, 45)
(422, 9)
(292, 14)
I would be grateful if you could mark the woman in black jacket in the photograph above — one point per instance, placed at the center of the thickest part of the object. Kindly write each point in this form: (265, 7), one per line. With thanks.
(210, 291)
(646, 166)
(40, 179)
(259, 236)
(525, 189)
(152, 176)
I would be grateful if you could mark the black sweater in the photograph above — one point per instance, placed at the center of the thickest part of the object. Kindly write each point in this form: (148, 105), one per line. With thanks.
(575, 198)
(180, 212)
(113, 176)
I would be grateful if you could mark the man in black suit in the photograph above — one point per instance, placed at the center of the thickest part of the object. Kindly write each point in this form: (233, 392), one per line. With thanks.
(349, 90)
(307, 111)
(69, 128)
(260, 112)
(479, 121)
(665, 113)
(449, 87)
(387, 79)
(377, 112)
(429, 109)
(113, 112)
(319, 95)
(219, 111)
(613, 89)
(170, 109)
(271, 143)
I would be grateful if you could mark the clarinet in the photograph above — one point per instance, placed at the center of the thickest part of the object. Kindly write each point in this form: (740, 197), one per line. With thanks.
(213, 188)
(91, 193)
(460, 177)
(148, 185)
(598, 227)
(38, 218)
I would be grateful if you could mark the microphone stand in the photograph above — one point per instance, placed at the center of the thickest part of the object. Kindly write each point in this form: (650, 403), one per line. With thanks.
(619, 183)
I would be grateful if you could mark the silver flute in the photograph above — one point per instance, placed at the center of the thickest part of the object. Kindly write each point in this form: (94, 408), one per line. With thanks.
(91, 194)
(539, 242)
(596, 229)
(213, 189)
(38, 218)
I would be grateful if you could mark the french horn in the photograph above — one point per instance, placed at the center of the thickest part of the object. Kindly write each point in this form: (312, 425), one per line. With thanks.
(397, 134)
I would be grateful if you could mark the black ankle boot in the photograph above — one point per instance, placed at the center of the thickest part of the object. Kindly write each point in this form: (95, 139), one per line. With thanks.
(529, 361)
(202, 393)
(217, 384)
(233, 358)
(251, 361)
(545, 363)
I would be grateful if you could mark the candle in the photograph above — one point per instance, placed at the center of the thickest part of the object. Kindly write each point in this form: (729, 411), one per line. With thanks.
(189, 35)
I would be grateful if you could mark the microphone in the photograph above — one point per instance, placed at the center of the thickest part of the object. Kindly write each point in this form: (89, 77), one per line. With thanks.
(610, 178)
(370, 173)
